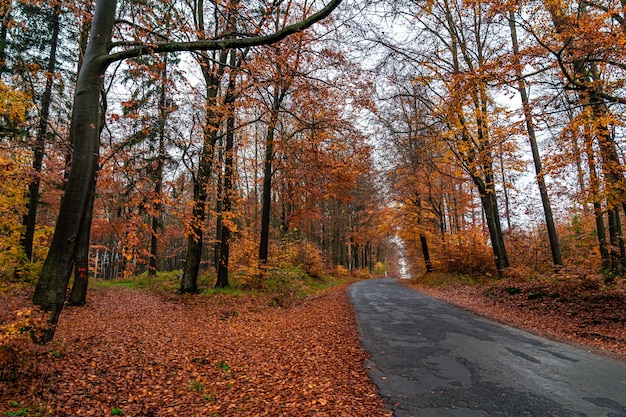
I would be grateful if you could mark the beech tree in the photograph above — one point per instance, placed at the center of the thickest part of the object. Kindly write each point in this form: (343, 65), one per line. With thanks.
(100, 53)
(581, 42)
(532, 137)
(468, 50)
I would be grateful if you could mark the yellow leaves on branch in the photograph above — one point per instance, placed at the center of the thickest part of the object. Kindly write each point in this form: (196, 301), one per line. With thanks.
(18, 319)
(13, 104)
(14, 180)
(15, 328)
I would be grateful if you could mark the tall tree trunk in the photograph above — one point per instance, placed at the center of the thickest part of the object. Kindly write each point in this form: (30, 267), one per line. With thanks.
(4, 29)
(594, 186)
(156, 224)
(488, 196)
(530, 128)
(30, 219)
(229, 171)
(219, 206)
(476, 158)
(224, 251)
(505, 191)
(266, 202)
(266, 199)
(587, 72)
(189, 281)
(492, 218)
(611, 164)
(78, 294)
(52, 285)
(423, 241)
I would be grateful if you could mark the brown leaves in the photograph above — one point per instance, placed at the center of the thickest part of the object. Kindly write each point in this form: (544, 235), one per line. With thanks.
(193, 355)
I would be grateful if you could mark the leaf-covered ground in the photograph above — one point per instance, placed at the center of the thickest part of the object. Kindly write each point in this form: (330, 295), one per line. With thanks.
(134, 353)
(568, 308)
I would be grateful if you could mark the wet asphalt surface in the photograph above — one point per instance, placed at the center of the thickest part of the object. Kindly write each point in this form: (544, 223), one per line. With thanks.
(429, 359)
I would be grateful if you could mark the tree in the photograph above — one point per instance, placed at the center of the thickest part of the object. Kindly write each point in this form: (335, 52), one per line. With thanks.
(51, 286)
(583, 58)
(226, 223)
(14, 105)
(468, 38)
(42, 132)
(530, 128)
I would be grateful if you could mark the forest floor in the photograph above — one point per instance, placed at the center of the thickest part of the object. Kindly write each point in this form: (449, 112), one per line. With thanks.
(133, 352)
(564, 307)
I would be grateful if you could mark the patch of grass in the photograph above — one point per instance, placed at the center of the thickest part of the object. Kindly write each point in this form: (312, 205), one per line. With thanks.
(512, 290)
(21, 412)
(164, 282)
(281, 285)
(115, 283)
(117, 412)
(293, 282)
(24, 411)
(196, 385)
(233, 291)
(223, 366)
(211, 397)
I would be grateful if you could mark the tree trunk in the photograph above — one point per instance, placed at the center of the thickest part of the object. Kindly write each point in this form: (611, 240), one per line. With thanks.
(594, 186)
(156, 223)
(505, 191)
(266, 202)
(30, 219)
(611, 164)
(530, 128)
(224, 252)
(225, 235)
(588, 73)
(219, 206)
(4, 29)
(426, 254)
(492, 218)
(52, 285)
(189, 281)
(78, 295)
(611, 168)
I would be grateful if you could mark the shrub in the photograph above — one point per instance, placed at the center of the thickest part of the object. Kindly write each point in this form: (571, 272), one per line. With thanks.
(19, 320)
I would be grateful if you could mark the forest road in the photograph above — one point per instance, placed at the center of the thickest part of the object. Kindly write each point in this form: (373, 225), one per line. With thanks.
(429, 358)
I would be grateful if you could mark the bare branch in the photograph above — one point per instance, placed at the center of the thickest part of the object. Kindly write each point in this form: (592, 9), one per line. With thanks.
(223, 44)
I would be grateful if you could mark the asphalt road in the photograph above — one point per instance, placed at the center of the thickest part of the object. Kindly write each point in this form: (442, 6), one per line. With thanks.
(429, 358)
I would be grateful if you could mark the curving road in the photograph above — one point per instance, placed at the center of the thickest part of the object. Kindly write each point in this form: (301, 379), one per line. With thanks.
(429, 359)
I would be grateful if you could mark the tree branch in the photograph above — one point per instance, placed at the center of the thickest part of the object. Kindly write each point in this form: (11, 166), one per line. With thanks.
(221, 44)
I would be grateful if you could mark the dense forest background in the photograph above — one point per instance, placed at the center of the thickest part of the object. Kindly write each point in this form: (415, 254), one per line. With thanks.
(476, 137)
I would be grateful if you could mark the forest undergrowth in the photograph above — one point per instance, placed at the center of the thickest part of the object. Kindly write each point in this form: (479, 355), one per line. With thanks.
(568, 307)
(147, 352)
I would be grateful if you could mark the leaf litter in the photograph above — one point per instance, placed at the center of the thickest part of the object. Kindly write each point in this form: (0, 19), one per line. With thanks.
(143, 354)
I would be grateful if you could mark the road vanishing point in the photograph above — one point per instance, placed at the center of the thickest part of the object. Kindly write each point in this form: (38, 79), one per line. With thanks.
(429, 359)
